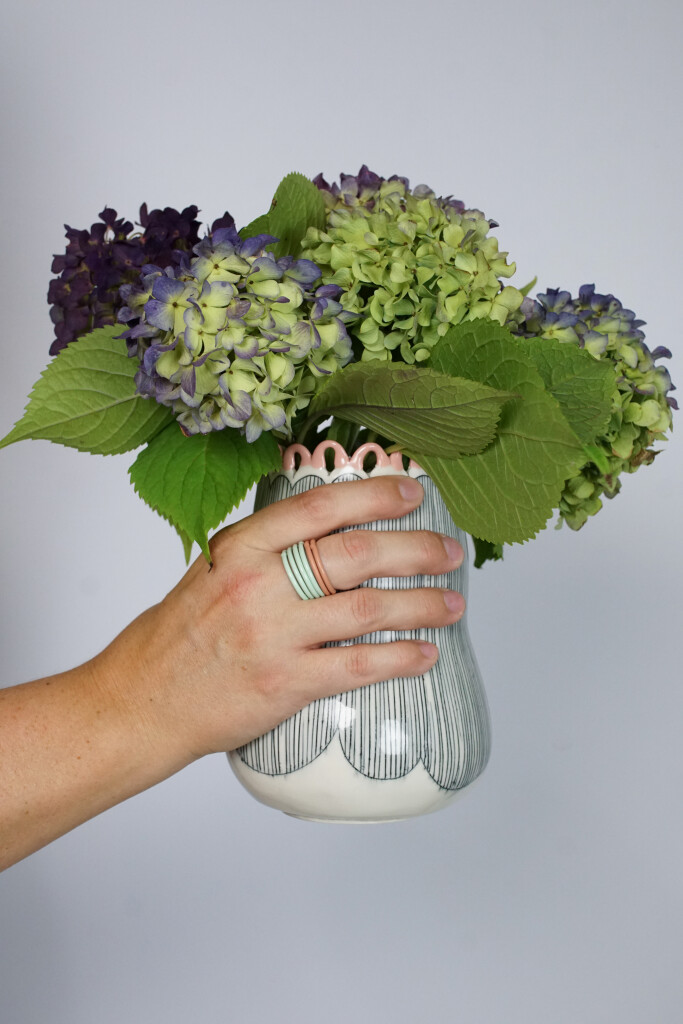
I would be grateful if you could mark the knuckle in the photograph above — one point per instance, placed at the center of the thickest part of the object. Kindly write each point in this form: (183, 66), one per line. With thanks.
(243, 584)
(314, 505)
(366, 607)
(269, 685)
(430, 548)
(377, 497)
(240, 588)
(410, 660)
(430, 607)
(283, 693)
(238, 606)
(358, 545)
(385, 496)
(358, 661)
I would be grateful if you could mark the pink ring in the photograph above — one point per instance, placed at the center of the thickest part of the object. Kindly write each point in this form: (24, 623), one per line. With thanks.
(321, 569)
(314, 567)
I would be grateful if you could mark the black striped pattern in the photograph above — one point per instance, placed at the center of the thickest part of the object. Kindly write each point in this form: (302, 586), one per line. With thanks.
(440, 719)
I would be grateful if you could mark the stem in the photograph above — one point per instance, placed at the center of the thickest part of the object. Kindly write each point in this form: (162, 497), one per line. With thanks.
(353, 439)
(306, 428)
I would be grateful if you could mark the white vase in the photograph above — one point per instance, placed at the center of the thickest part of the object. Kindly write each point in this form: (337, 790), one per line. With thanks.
(395, 749)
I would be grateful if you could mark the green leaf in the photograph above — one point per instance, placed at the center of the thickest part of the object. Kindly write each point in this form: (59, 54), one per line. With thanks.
(432, 413)
(194, 482)
(297, 205)
(599, 457)
(258, 226)
(85, 398)
(527, 287)
(484, 551)
(186, 542)
(344, 432)
(507, 492)
(582, 384)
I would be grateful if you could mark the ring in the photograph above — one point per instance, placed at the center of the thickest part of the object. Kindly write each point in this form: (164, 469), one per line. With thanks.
(305, 570)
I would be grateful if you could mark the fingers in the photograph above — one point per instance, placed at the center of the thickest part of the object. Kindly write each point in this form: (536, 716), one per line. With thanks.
(368, 609)
(322, 509)
(357, 555)
(336, 669)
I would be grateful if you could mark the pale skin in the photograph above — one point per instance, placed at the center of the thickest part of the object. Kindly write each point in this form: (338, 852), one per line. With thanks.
(227, 655)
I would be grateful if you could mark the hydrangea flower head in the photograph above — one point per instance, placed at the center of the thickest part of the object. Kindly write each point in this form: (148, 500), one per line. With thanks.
(411, 263)
(232, 337)
(641, 403)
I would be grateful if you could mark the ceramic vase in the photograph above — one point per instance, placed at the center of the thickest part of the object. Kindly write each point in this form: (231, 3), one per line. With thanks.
(391, 750)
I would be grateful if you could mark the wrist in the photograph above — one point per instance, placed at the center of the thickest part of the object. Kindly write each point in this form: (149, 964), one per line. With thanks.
(132, 679)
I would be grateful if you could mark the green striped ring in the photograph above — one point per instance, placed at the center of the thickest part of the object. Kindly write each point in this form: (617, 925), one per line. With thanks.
(297, 558)
(304, 566)
(300, 573)
(293, 574)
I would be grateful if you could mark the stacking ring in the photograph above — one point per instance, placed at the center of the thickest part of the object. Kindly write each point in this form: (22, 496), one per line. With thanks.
(305, 570)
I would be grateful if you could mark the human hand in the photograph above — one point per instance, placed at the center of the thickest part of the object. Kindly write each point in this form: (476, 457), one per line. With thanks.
(225, 657)
(232, 652)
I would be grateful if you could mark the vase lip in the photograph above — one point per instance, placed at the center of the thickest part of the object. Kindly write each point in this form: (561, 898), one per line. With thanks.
(316, 459)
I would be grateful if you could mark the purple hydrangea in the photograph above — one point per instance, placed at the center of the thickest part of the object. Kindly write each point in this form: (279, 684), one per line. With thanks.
(98, 262)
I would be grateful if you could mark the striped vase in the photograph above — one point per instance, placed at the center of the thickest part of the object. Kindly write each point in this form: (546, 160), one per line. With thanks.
(394, 749)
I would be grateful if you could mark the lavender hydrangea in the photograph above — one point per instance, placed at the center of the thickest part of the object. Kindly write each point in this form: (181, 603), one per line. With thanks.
(412, 264)
(641, 404)
(233, 337)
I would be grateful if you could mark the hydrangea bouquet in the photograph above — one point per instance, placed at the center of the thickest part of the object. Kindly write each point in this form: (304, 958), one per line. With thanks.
(358, 311)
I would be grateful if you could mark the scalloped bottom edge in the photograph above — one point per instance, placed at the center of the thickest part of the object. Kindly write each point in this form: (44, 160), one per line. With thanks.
(329, 790)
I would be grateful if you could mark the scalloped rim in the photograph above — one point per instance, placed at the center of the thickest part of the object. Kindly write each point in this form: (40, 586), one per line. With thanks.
(314, 463)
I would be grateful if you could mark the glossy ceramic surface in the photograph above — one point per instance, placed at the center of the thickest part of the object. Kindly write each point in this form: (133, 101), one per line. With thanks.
(395, 749)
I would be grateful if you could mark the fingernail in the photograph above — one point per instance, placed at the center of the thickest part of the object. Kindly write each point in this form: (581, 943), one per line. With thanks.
(453, 549)
(454, 601)
(429, 650)
(410, 489)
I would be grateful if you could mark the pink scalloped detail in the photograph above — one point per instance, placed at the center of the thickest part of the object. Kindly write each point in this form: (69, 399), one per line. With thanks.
(316, 458)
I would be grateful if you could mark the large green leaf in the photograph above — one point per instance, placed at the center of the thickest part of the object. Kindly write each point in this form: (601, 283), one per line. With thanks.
(297, 205)
(194, 482)
(508, 491)
(582, 384)
(258, 226)
(85, 398)
(431, 412)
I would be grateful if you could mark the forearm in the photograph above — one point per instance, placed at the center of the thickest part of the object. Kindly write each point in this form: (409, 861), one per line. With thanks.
(70, 747)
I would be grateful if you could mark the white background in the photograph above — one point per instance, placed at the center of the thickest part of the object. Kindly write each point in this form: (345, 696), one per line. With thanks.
(551, 893)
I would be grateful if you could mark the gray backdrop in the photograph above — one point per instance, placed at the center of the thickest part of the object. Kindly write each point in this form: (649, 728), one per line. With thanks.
(552, 892)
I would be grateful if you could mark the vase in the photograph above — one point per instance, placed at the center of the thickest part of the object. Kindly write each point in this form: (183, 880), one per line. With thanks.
(391, 750)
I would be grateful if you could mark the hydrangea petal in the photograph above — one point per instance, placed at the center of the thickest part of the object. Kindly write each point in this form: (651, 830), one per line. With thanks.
(160, 314)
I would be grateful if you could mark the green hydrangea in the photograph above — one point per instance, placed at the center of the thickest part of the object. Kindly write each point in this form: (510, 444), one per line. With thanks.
(641, 403)
(411, 264)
